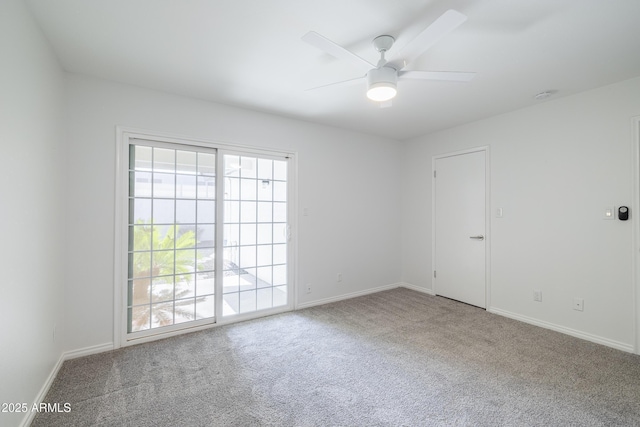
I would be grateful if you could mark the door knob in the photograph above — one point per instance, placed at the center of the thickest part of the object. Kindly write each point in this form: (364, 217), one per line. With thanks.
(477, 237)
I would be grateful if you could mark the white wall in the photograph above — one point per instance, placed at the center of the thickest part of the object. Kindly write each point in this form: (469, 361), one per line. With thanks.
(31, 208)
(554, 169)
(348, 181)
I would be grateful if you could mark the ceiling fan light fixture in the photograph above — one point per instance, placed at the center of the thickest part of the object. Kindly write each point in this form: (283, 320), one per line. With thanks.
(382, 84)
(381, 92)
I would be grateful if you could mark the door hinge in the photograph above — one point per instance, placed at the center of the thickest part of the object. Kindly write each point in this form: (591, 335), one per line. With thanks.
(434, 274)
(434, 174)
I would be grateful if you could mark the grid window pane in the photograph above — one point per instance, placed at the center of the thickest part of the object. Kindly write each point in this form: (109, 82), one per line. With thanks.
(279, 254)
(265, 211)
(265, 233)
(164, 160)
(139, 292)
(265, 190)
(206, 164)
(206, 187)
(162, 314)
(185, 310)
(140, 184)
(265, 298)
(279, 296)
(232, 189)
(162, 237)
(205, 259)
(265, 255)
(247, 256)
(205, 236)
(140, 318)
(206, 212)
(205, 284)
(279, 191)
(164, 185)
(139, 211)
(248, 167)
(279, 233)
(205, 307)
(139, 264)
(247, 301)
(185, 211)
(186, 162)
(186, 186)
(140, 238)
(248, 279)
(265, 169)
(163, 211)
(140, 158)
(247, 234)
(230, 304)
(279, 170)
(248, 212)
(279, 212)
(248, 189)
(162, 289)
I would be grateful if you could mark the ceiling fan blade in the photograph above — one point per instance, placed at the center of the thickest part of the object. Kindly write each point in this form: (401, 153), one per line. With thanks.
(447, 22)
(337, 51)
(450, 76)
(341, 83)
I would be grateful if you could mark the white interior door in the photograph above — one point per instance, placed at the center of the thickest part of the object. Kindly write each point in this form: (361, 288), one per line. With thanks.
(460, 240)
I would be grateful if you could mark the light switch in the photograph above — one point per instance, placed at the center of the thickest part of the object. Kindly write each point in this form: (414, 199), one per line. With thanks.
(609, 213)
(499, 213)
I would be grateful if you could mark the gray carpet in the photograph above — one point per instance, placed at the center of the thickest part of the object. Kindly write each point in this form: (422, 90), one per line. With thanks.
(395, 358)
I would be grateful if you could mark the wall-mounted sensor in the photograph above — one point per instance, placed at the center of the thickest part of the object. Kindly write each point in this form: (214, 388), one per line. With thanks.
(623, 213)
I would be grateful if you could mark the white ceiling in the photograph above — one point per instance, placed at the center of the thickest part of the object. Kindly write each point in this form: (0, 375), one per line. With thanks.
(248, 53)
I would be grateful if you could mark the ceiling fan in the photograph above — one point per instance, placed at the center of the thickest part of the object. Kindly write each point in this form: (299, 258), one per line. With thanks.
(382, 78)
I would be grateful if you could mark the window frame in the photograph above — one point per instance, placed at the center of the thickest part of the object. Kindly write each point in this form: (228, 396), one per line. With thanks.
(126, 137)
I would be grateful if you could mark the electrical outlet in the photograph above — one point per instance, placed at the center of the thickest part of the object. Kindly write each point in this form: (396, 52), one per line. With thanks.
(339, 277)
(537, 295)
(308, 288)
(578, 304)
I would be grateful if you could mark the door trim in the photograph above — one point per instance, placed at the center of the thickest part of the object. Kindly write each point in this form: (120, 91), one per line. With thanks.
(486, 150)
(635, 226)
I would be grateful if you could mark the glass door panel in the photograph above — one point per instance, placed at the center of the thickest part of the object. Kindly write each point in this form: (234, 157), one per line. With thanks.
(171, 237)
(255, 234)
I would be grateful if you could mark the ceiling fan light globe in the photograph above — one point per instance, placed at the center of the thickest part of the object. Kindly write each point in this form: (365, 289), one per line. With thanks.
(382, 84)
(381, 92)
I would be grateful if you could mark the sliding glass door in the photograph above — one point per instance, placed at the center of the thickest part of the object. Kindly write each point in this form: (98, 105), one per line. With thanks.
(255, 234)
(207, 236)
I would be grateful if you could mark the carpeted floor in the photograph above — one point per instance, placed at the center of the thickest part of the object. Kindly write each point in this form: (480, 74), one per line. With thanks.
(395, 358)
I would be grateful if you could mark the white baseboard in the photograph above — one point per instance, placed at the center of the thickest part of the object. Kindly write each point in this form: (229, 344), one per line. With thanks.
(28, 419)
(416, 288)
(562, 329)
(87, 351)
(346, 296)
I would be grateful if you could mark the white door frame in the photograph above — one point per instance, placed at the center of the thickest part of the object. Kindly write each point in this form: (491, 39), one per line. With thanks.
(635, 226)
(487, 217)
